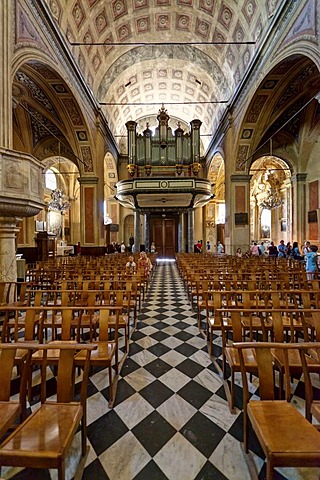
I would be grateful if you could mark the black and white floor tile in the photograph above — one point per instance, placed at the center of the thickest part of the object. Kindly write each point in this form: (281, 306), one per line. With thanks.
(171, 420)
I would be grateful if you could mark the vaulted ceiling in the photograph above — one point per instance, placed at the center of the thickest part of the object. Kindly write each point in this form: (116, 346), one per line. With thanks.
(189, 55)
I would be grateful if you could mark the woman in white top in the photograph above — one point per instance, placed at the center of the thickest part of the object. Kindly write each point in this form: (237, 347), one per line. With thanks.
(220, 248)
(131, 264)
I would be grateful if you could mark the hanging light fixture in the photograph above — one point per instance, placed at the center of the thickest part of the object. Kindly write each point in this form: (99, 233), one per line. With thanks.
(273, 200)
(273, 197)
(57, 202)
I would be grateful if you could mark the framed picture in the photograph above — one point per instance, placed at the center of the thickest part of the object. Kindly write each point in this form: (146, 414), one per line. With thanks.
(241, 219)
(265, 231)
(283, 225)
(312, 216)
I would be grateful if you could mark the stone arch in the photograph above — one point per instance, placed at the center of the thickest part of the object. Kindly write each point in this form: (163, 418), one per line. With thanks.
(277, 111)
(39, 84)
(67, 175)
(270, 190)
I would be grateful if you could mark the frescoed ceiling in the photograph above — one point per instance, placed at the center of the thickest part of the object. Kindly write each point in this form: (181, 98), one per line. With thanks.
(189, 55)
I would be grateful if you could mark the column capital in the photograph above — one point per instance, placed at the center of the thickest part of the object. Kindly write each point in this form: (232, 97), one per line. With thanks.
(299, 177)
(88, 180)
(240, 178)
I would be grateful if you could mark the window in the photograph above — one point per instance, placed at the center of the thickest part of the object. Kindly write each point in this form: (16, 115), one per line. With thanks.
(265, 223)
(221, 214)
(50, 179)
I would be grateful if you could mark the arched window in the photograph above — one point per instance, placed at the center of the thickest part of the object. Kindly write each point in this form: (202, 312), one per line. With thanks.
(50, 179)
(265, 223)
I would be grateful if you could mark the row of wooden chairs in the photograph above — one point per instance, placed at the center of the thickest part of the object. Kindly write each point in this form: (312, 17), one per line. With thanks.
(43, 439)
(287, 438)
(69, 324)
(276, 325)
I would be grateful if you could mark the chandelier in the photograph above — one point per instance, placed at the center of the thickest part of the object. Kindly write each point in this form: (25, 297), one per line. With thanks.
(272, 201)
(57, 203)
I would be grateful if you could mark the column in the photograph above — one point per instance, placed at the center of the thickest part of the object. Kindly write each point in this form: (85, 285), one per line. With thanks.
(190, 230)
(147, 133)
(195, 140)
(6, 42)
(239, 218)
(181, 230)
(146, 233)
(204, 229)
(131, 127)
(91, 217)
(179, 145)
(137, 236)
(8, 233)
(299, 207)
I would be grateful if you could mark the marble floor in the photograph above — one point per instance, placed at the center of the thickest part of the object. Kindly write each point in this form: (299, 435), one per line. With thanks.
(171, 420)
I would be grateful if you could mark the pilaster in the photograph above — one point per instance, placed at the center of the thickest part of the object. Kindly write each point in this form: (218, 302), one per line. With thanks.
(299, 207)
(190, 230)
(6, 16)
(137, 233)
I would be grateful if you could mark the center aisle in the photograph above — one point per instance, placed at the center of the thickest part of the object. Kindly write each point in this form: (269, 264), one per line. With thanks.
(171, 420)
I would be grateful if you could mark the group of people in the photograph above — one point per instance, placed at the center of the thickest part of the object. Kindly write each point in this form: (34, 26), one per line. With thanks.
(116, 247)
(308, 253)
(198, 247)
(143, 262)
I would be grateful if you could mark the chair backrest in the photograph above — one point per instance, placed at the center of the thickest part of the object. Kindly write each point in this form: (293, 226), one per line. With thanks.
(67, 317)
(264, 359)
(7, 362)
(104, 331)
(66, 370)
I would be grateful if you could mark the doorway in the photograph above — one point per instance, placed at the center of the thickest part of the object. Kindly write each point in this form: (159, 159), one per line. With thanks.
(164, 235)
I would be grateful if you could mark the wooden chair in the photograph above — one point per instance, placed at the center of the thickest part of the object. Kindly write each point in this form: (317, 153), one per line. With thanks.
(107, 353)
(16, 320)
(285, 435)
(231, 354)
(44, 438)
(11, 410)
(294, 362)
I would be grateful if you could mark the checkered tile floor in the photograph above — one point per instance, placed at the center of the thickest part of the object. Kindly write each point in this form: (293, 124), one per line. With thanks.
(171, 419)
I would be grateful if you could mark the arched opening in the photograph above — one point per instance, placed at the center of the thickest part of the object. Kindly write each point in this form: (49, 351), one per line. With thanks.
(270, 200)
(215, 209)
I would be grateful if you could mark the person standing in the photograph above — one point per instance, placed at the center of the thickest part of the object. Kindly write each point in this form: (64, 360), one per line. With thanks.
(296, 252)
(208, 246)
(311, 262)
(199, 246)
(254, 249)
(282, 249)
(306, 248)
(220, 247)
(272, 250)
(144, 263)
(131, 242)
(122, 247)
